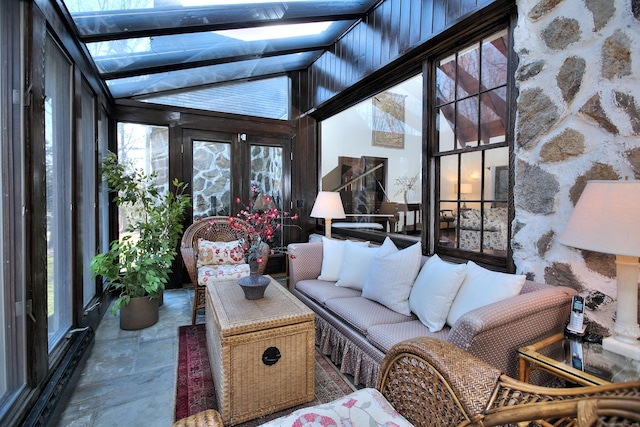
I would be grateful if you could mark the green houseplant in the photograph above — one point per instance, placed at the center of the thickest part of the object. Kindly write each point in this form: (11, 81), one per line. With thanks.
(137, 264)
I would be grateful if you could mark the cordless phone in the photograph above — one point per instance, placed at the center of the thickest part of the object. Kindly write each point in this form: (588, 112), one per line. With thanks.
(576, 319)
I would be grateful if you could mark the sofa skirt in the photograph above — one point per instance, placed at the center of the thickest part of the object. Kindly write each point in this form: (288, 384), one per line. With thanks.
(344, 353)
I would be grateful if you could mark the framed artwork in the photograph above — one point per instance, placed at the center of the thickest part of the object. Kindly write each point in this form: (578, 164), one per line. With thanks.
(388, 120)
(501, 183)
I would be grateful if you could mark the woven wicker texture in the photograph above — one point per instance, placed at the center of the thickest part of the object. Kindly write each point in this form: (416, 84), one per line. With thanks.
(237, 315)
(208, 418)
(434, 383)
(238, 333)
(221, 232)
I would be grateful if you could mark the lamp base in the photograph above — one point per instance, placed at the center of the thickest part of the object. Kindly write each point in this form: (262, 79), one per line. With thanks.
(632, 351)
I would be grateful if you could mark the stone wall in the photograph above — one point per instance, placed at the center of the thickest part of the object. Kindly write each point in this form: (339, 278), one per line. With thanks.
(578, 118)
(212, 169)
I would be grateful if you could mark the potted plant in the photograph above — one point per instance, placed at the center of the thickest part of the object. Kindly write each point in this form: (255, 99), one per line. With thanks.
(137, 264)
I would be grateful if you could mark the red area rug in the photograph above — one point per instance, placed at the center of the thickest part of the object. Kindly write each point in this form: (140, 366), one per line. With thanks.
(195, 389)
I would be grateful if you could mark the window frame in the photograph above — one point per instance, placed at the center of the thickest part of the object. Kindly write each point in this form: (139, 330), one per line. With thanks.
(433, 155)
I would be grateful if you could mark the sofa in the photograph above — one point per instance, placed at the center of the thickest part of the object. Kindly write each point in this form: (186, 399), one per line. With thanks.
(494, 228)
(357, 331)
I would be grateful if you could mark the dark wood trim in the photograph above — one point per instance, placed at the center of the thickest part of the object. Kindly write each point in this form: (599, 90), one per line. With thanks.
(35, 198)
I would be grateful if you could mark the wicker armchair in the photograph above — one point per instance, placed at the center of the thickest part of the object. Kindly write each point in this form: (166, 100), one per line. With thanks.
(434, 383)
(222, 232)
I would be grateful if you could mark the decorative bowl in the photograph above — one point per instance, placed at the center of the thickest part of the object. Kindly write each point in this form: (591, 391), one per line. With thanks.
(254, 286)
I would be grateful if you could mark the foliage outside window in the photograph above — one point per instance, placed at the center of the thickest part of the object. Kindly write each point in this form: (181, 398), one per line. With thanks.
(372, 155)
(471, 147)
(145, 147)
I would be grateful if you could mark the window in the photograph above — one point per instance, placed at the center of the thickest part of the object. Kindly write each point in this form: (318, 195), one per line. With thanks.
(471, 147)
(58, 104)
(262, 98)
(85, 190)
(372, 155)
(146, 147)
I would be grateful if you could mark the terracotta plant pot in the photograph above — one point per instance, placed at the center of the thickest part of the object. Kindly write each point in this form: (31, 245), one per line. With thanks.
(140, 313)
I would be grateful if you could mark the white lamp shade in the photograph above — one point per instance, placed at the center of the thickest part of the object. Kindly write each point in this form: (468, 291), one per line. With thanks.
(606, 219)
(328, 205)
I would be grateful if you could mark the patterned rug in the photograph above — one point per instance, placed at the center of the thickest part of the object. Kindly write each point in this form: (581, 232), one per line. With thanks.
(195, 389)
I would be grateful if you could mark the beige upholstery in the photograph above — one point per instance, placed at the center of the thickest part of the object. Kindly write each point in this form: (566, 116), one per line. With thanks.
(356, 333)
(220, 232)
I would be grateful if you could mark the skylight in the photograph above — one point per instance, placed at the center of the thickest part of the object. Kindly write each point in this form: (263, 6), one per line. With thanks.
(272, 32)
(146, 46)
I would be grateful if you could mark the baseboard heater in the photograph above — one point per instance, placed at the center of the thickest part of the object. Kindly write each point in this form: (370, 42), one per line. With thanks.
(57, 391)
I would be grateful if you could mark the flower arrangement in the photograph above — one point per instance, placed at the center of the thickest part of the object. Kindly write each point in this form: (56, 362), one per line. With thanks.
(406, 183)
(260, 221)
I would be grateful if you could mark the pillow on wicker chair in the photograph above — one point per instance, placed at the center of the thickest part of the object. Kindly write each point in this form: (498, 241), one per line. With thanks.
(365, 407)
(219, 253)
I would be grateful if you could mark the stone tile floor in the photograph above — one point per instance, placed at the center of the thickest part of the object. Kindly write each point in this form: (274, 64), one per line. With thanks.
(129, 378)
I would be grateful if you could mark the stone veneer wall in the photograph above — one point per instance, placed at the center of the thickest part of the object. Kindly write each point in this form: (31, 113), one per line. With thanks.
(578, 118)
(212, 176)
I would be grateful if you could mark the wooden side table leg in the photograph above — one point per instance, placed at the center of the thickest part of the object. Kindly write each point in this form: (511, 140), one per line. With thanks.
(524, 369)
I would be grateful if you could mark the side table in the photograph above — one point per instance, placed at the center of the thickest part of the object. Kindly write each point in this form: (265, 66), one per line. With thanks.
(261, 351)
(557, 355)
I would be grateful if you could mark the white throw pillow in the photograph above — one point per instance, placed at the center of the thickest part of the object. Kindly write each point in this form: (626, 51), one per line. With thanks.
(392, 275)
(434, 290)
(481, 287)
(333, 257)
(356, 264)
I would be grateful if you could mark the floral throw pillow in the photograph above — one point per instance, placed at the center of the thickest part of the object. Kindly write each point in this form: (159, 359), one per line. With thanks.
(365, 407)
(218, 253)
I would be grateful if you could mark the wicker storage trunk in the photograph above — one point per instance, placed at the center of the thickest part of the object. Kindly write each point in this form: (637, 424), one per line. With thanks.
(241, 333)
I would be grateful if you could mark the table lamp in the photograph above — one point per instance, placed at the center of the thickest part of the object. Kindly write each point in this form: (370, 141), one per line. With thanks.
(465, 189)
(605, 219)
(328, 205)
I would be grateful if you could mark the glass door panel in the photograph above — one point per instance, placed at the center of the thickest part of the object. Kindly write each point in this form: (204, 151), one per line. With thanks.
(267, 175)
(211, 179)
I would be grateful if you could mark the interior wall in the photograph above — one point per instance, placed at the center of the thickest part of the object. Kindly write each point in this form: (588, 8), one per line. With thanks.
(578, 118)
(350, 134)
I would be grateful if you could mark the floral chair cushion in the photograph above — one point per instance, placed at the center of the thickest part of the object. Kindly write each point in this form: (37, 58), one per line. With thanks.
(219, 253)
(365, 407)
(217, 273)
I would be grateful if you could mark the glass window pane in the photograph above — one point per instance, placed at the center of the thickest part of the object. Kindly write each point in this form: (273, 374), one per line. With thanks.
(494, 60)
(493, 116)
(145, 147)
(58, 188)
(85, 192)
(261, 98)
(211, 179)
(467, 122)
(496, 175)
(445, 117)
(372, 155)
(446, 80)
(468, 71)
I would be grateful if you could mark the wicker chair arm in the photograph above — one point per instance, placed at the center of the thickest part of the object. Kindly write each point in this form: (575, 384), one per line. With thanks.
(434, 383)
(188, 256)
